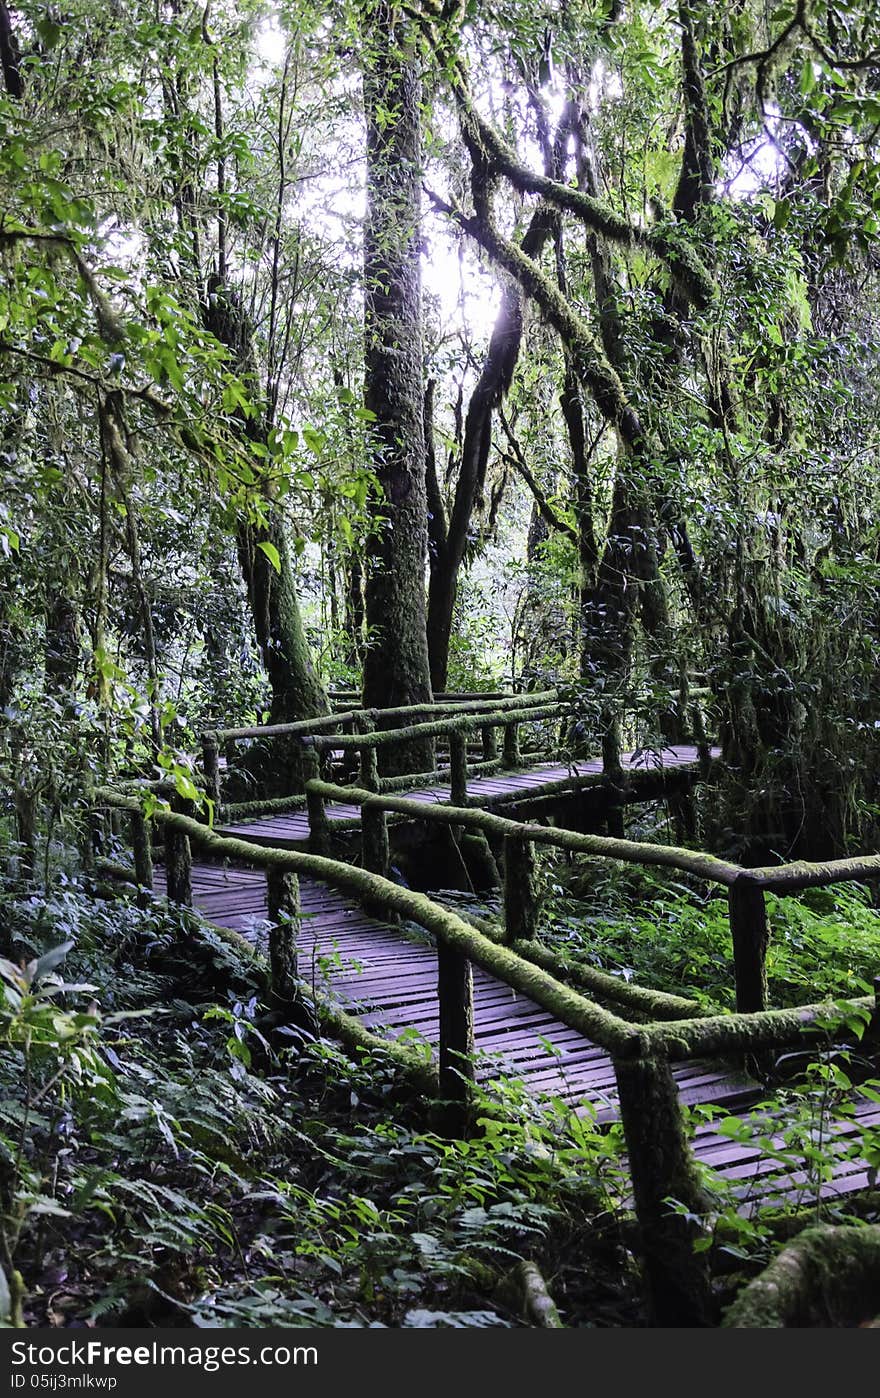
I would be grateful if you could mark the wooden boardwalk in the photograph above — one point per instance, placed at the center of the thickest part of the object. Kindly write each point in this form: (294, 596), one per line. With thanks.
(291, 830)
(387, 976)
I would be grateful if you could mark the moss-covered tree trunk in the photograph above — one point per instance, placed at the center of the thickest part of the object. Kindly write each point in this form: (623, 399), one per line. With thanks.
(396, 668)
(297, 691)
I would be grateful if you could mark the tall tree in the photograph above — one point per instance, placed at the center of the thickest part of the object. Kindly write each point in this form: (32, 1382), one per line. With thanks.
(396, 668)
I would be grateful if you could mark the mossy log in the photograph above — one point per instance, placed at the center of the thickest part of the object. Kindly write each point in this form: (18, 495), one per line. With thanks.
(319, 826)
(178, 863)
(409, 780)
(283, 911)
(512, 755)
(141, 844)
(211, 768)
(829, 1276)
(792, 878)
(375, 852)
(520, 890)
(274, 805)
(538, 1306)
(115, 870)
(748, 1033)
(458, 769)
(656, 1004)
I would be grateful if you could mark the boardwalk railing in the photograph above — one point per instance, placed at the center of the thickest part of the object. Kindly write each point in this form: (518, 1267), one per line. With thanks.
(457, 721)
(361, 730)
(746, 888)
(661, 1161)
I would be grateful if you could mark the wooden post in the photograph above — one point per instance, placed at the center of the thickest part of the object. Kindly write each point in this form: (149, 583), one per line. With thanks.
(211, 768)
(375, 852)
(520, 892)
(511, 744)
(489, 735)
(26, 834)
(143, 857)
(704, 750)
(369, 768)
(662, 1167)
(455, 992)
(178, 867)
(282, 897)
(750, 933)
(458, 771)
(319, 826)
(369, 758)
(612, 766)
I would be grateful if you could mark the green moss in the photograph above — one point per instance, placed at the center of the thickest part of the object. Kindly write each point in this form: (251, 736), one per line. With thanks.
(829, 1276)
(720, 1034)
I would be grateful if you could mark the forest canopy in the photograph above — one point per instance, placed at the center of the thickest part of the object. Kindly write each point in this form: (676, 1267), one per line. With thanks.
(547, 330)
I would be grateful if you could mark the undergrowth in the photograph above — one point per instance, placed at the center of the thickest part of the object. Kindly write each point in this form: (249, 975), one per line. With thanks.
(166, 1159)
(661, 931)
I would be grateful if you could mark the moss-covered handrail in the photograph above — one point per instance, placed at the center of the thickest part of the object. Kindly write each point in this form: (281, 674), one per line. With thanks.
(440, 728)
(575, 1010)
(451, 707)
(794, 877)
(705, 866)
(681, 1039)
(746, 888)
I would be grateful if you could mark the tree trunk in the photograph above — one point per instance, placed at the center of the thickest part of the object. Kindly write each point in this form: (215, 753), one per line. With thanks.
(297, 691)
(396, 668)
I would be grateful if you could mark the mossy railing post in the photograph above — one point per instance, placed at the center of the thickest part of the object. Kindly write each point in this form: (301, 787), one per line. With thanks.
(458, 767)
(143, 857)
(211, 768)
(489, 738)
(178, 860)
(872, 1034)
(750, 934)
(612, 771)
(512, 756)
(520, 890)
(704, 750)
(662, 1167)
(319, 826)
(282, 898)
(375, 851)
(369, 768)
(455, 994)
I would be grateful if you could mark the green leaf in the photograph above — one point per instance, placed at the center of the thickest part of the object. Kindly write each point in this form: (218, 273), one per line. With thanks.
(47, 963)
(781, 214)
(271, 553)
(314, 440)
(49, 32)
